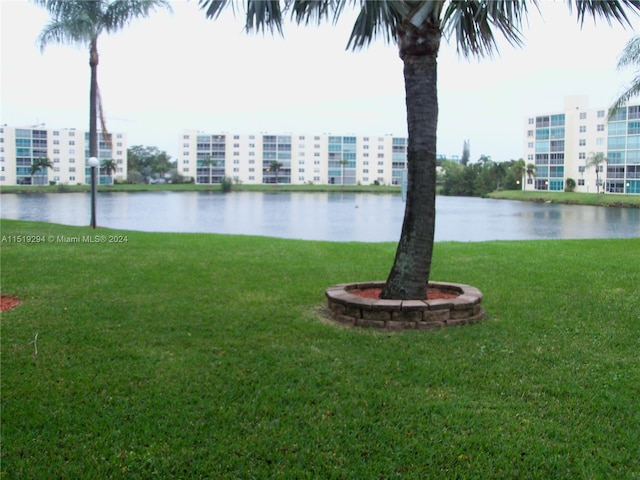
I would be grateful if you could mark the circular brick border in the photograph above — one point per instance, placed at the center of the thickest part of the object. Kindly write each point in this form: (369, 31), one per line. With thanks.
(356, 311)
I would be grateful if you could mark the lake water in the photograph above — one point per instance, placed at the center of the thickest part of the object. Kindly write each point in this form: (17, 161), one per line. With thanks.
(361, 217)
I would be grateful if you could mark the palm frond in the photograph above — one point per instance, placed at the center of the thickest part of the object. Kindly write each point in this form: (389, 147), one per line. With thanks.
(66, 31)
(631, 53)
(377, 18)
(316, 11)
(120, 13)
(609, 10)
(213, 8)
(475, 23)
(261, 15)
(630, 92)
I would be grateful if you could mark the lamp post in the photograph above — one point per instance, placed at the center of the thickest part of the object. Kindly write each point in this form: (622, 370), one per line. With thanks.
(93, 163)
(627, 190)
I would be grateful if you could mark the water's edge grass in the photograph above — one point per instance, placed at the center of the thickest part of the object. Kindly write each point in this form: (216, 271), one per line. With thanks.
(572, 198)
(205, 356)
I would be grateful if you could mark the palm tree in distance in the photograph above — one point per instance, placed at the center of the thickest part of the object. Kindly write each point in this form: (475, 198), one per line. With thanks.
(417, 28)
(531, 171)
(109, 166)
(39, 164)
(275, 167)
(82, 21)
(630, 56)
(518, 168)
(595, 160)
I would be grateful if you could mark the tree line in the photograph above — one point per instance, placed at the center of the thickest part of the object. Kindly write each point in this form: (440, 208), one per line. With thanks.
(481, 177)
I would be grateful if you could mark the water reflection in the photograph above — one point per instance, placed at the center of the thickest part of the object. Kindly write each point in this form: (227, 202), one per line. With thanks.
(323, 216)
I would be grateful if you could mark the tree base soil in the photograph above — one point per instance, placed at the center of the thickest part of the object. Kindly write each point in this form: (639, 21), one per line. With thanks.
(432, 293)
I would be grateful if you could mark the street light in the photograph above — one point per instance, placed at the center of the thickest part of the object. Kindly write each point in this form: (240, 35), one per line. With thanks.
(627, 188)
(93, 163)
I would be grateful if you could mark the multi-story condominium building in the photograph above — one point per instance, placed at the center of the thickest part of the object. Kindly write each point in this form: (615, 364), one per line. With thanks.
(292, 158)
(66, 149)
(559, 143)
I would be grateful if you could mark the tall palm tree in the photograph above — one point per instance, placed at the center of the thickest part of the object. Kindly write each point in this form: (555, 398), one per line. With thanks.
(531, 171)
(518, 167)
(630, 57)
(82, 21)
(38, 164)
(417, 28)
(595, 160)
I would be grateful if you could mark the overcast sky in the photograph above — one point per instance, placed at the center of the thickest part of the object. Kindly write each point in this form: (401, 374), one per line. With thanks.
(179, 71)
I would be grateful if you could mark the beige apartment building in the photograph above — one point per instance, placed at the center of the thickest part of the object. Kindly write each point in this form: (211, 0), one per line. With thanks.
(559, 143)
(66, 148)
(292, 158)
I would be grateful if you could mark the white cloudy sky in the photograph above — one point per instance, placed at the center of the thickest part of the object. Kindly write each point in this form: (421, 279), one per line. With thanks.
(179, 71)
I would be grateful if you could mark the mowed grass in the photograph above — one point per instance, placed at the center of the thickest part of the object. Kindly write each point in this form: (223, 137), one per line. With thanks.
(205, 356)
(601, 200)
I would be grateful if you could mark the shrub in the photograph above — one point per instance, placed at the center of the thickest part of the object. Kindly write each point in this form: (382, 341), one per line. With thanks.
(569, 185)
(226, 183)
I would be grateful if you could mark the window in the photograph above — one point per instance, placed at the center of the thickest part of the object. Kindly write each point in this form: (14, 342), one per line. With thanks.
(582, 142)
(581, 182)
(582, 156)
(600, 127)
(72, 142)
(542, 122)
(599, 141)
(583, 115)
(634, 112)
(600, 113)
(634, 128)
(531, 121)
(583, 129)
(529, 133)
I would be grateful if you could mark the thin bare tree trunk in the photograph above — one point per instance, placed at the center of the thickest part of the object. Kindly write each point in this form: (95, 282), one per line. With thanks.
(93, 99)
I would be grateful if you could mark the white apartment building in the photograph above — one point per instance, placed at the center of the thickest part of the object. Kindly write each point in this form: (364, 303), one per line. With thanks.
(302, 158)
(67, 149)
(560, 142)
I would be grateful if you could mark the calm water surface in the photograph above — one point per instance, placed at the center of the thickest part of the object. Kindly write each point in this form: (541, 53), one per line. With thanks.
(340, 217)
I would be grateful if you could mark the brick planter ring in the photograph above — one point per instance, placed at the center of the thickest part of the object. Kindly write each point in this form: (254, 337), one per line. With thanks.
(353, 310)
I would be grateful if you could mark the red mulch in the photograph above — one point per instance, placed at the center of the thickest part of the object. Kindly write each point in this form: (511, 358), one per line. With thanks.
(432, 293)
(7, 302)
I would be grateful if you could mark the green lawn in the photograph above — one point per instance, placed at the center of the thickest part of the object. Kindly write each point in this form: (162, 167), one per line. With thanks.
(604, 200)
(204, 356)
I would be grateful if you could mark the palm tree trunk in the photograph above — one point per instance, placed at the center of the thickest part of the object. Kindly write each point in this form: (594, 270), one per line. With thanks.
(93, 99)
(409, 275)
